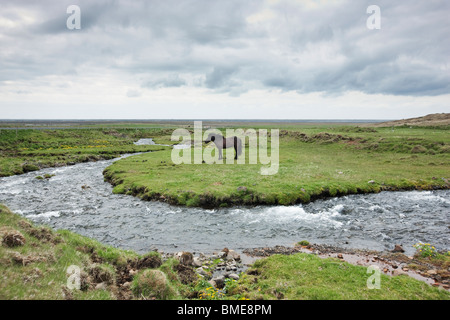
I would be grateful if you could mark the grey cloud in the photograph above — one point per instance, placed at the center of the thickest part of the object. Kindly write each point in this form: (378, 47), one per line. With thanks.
(172, 80)
(213, 41)
(219, 77)
(376, 61)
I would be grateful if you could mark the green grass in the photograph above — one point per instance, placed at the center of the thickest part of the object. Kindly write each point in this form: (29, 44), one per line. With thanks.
(23, 151)
(41, 270)
(315, 162)
(307, 277)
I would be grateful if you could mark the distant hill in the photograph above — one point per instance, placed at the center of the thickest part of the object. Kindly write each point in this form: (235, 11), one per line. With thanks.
(436, 119)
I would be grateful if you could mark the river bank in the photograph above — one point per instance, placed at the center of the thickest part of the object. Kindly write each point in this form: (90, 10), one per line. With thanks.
(34, 263)
(228, 264)
(432, 271)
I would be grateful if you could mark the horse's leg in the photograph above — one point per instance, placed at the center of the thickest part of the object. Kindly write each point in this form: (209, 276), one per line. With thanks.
(235, 148)
(220, 153)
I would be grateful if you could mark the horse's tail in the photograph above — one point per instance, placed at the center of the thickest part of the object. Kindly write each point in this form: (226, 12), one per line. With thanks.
(239, 146)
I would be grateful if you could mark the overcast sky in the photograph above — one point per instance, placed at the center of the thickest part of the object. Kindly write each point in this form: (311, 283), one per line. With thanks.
(214, 59)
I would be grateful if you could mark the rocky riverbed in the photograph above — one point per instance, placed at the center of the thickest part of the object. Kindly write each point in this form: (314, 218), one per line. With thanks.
(215, 267)
(229, 264)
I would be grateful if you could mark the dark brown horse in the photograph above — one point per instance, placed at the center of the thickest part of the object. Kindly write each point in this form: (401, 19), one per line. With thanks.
(221, 143)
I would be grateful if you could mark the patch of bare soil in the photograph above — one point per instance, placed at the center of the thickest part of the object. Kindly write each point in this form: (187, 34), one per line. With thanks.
(185, 273)
(100, 274)
(13, 238)
(124, 274)
(146, 262)
(31, 258)
(41, 233)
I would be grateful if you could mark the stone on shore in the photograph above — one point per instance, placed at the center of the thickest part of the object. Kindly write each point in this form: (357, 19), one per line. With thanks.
(398, 248)
(185, 258)
(398, 272)
(201, 271)
(196, 262)
(101, 286)
(219, 281)
(233, 276)
(233, 255)
(432, 272)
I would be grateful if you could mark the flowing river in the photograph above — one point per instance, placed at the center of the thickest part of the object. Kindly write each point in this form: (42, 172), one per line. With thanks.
(78, 199)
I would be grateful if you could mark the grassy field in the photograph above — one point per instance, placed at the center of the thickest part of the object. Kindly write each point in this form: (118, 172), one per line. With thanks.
(29, 150)
(34, 262)
(314, 162)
